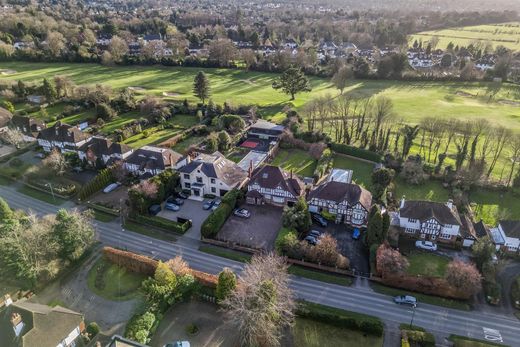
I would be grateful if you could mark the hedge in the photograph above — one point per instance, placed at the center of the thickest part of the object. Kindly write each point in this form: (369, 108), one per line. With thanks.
(163, 223)
(341, 318)
(131, 261)
(420, 338)
(325, 164)
(356, 152)
(280, 239)
(102, 179)
(212, 225)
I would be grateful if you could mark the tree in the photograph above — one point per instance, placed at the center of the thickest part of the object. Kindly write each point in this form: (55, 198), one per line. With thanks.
(463, 276)
(389, 261)
(224, 140)
(482, 250)
(413, 172)
(375, 233)
(297, 217)
(5, 211)
(73, 232)
(105, 112)
(8, 105)
(292, 81)
(201, 87)
(118, 48)
(160, 290)
(262, 306)
(447, 60)
(381, 179)
(55, 43)
(222, 52)
(49, 91)
(56, 162)
(12, 136)
(341, 78)
(227, 282)
(410, 133)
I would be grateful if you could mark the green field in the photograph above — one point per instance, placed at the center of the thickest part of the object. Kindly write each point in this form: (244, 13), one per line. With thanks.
(362, 171)
(412, 100)
(504, 34)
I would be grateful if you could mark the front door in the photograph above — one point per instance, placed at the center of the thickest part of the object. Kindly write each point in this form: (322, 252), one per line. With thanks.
(196, 192)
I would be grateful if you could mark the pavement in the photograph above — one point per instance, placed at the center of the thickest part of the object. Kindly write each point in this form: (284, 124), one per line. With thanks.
(441, 321)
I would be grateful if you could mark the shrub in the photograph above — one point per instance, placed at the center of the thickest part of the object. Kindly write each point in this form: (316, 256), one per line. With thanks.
(281, 240)
(212, 225)
(192, 329)
(227, 281)
(93, 329)
(356, 152)
(140, 326)
(420, 338)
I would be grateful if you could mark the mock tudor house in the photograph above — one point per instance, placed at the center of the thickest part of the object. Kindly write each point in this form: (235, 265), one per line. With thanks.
(272, 185)
(211, 174)
(349, 202)
(62, 136)
(149, 161)
(28, 126)
(506, 236)
(100, 149)
(26, 324)
(431, 221)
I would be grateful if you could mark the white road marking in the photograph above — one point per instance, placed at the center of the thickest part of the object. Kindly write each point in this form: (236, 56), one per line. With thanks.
(492, 335)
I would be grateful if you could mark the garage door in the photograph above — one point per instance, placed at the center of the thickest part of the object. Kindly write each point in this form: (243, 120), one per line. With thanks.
(467, 243)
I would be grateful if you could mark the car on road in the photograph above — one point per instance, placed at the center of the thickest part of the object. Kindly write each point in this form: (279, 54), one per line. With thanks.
(178, 344)
(171, 206)
(426, 245)
(311, 240)
(154, 209)
(242, 213)
(207, 204)
(405, 300)
(318, 219)
(356, 233)
(315, 233)
(110, 188)
(174, 200)
(216, 204)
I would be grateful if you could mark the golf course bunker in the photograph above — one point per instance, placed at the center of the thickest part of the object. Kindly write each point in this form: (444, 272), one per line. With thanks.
(7, 72)
(171, 94)
(137, 89)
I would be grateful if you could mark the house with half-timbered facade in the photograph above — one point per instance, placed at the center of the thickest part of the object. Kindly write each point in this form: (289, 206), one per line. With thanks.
(349, 202)
(62, 136)
(272, 185)
(429, 220)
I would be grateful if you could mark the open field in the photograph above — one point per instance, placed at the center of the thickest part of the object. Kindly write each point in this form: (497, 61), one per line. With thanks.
(504, 34)
(412, 100)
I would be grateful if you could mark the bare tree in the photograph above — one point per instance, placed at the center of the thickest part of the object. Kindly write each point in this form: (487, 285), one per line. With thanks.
(262, 305)
(12, 136)
(501, 137)
(514, 148)
(479, 126)
(56, 162)
(117, 48)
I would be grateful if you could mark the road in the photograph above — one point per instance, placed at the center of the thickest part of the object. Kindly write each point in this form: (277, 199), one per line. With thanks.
(359, 298)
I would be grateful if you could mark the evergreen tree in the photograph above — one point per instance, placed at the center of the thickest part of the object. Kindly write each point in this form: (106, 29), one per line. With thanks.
(201, 86)
(292, 81)
(227, 281)
(49, 91)
(374, 234)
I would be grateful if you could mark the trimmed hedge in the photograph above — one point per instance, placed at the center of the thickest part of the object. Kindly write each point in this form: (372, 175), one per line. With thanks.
(280, 239)
(102, 179)
(340, 318)
(163, 223)
(325, 164)
(212, 225)
(420, 338)
(131, 261)
(356, 152)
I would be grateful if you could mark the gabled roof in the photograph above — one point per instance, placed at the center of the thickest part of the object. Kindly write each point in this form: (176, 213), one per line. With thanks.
(102, 146)
(271, 177)
(265, 125)
(42, 326)
(5, 117)
(62, 132)
(153, 158)
(28, 125)
(217, 166)
(481, 230)
(511, 228)
(339, 191)
(424, 210)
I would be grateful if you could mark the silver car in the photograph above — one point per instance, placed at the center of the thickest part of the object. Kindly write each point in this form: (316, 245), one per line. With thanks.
(406, 300)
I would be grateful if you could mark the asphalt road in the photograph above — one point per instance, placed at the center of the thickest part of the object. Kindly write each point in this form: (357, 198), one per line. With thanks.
(439, 320)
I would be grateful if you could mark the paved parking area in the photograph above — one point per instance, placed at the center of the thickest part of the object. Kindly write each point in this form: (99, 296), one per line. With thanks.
(259, 231)
(191, 209)
(354, 250)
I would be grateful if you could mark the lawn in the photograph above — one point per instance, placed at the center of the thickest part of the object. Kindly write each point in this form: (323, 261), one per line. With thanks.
(504, 34)
(154, 136)
(148, 231)
(310, 333)
(103, 217)
(341, 280)
(429, 190)
(37, 194)
(491, 206)
(226, 253)
(412, 100)
(427, 264)
(182, 146)
(297, 160)
(362, 171)
(113, 282)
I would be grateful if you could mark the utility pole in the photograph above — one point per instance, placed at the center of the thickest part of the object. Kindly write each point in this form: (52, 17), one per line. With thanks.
(413, 314)
(52, 191)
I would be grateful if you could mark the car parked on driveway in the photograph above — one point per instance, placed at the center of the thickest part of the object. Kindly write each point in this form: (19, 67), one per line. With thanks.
(171, 206)
(356, 233)
(154, 209)
(311, 240)
(110, 188)
(426, 245)
(242, 213)
(178, 344)
(216, 204)
(318, 219)
(182, 195)
(174, 200)
(207, 204)
(315, 233)
(405, 300)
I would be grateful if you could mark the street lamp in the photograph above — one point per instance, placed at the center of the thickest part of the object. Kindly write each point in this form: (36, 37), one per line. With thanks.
(52, 191)
(413, 315)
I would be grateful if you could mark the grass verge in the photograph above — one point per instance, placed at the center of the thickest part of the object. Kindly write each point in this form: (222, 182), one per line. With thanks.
(103, 217)
(428, 299)
(226, 253)
(463, 341)
(33, 193)
(320, 276)
(149, 231)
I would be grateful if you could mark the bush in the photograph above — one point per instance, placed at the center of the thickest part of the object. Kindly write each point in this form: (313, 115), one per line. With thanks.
(140, 326)
(340, 318)
(93, 329)
(356, 152)
(420, 338)
(281, 240)
(163, 223)
(324, 165)
(212, 225)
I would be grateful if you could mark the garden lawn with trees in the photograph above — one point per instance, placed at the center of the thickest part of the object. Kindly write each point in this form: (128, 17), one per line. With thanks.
(297, 160)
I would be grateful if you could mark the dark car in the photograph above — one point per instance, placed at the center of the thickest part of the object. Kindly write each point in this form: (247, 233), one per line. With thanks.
(318, 219)
(311, 240)
(315, 233)
(176, 201)
(207, 204)
(154, 209)
(182, 195)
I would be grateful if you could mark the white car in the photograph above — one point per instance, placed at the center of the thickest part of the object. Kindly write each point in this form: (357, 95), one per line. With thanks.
(110, 188)
(426, 245)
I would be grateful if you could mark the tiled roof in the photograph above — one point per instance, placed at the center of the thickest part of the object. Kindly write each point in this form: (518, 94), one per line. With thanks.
(269, 176)
(61, 132)
(217, 166)
(511, 228)
(339, 191)
(424, 210)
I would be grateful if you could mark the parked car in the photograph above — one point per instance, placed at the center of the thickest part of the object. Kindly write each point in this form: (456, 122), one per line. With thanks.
(426, 245)
(110, 188)
(311, 240)
(174, 200)
(207, 204)
(39, 155)
(171, 206)
(315, 233)
(242, 213)
(318, 219)
(178, 344)
(216, 203)
(406, 300)
(356, 233)
(182, 195)
(154, 209)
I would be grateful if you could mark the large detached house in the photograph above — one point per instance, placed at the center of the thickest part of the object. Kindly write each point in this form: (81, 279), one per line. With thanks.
(28, 126)
(265, 130)
(272, 185)
(211, 174)
(428, 220)
(149, 161)
(99, 150)
(506, 236)
(350, 203)
(25, 324)
(62, 136)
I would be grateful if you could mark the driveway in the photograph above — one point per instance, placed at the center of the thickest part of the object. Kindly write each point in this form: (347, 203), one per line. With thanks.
(191, 209)
(259, 231)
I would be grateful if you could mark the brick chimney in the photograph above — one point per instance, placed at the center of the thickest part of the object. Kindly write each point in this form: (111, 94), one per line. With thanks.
(403, 199)
(250, 170)
(450, 204)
